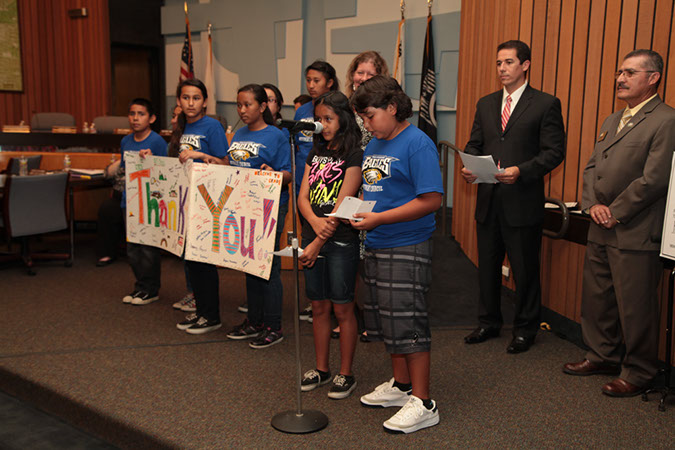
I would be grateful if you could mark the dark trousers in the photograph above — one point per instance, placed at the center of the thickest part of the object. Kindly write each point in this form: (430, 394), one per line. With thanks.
(110, 227)
(620, 310)
(205, 283)
(146, 263)
(522, 245)
(265, 297)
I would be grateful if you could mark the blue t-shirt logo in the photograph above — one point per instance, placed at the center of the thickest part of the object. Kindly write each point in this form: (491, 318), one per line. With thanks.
(241, 151)
(190, 142)
(376, 168)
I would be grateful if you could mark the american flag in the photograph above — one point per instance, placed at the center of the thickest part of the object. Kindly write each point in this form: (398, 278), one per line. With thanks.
(186, 68)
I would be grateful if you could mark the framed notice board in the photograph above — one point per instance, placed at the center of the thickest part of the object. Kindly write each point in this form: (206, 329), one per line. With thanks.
(668, 236)
(10, 47)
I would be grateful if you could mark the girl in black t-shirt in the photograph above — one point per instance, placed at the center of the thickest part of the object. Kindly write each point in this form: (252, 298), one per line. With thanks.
(331, 248)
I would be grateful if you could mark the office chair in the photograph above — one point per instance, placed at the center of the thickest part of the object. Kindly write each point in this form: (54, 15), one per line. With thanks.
(108, 124)
(46, 120)
(13, 165)
(35, 205)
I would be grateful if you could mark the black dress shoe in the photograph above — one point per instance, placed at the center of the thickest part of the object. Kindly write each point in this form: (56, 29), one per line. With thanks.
(520, 344)
(335, 334)
(481, 334)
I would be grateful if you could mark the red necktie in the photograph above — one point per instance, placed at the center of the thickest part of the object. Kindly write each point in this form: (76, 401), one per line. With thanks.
(506, 113)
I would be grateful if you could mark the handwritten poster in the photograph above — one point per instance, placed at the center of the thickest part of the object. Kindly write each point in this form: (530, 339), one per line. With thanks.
(232, 217)
(668, 236)
(157, 193)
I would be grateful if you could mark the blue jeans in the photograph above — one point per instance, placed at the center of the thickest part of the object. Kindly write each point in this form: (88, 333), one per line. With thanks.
(333, 277)
(265, 297)
(146, 263)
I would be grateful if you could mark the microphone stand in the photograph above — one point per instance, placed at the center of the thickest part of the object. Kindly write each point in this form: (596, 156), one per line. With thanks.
(297, 421)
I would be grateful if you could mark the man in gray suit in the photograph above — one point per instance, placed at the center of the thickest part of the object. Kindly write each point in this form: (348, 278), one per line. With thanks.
(625, 187)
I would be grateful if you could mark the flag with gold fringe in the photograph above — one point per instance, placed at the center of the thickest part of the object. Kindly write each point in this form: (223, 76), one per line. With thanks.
(186, 67)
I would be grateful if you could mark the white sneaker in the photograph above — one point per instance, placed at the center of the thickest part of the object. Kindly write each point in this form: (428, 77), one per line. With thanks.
(412, 417)
(183, 302)
(386, 395)
(143, 298)
(130, 297)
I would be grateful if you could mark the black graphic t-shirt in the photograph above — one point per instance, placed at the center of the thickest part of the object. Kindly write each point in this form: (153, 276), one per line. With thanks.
(326, 175)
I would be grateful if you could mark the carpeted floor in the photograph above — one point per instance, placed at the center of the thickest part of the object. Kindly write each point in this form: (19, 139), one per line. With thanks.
(127, 375)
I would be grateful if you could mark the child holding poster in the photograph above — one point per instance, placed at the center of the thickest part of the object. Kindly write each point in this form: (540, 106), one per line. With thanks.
(332, 172)
(199, 137)
(261, 145)
(145, 260)
(401, 173)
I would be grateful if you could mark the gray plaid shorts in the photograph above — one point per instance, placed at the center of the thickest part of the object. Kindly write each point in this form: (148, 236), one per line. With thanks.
(395, 309)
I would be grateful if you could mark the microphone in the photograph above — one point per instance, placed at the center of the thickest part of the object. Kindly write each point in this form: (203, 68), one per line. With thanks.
(300, 125)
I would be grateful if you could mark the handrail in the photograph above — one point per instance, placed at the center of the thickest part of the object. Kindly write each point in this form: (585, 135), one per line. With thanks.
(565, 219)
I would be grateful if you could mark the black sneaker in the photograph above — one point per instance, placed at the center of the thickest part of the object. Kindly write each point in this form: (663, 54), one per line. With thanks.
(306, 313)
(342, 387)
(190, 320)
(267, 338)
(130, 297)
(143, 298)
(204, 326)
(244, 331)
(312, 379)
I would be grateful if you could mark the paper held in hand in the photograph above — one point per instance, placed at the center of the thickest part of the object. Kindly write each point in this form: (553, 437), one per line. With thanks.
(351, 206)
(483, 167)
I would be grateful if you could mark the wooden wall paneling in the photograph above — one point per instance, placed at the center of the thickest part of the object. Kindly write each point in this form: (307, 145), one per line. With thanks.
(663, 17)
(578, 59)
(561, 82)
(609, 59)
(627, 35)
(590, 122)
(526, 11)
(537, 42)
(645, 24)
(669, 82)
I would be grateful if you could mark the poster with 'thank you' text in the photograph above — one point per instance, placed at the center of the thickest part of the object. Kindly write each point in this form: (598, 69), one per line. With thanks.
(219, 215)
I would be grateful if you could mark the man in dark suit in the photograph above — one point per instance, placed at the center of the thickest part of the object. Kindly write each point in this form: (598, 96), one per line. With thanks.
(625, 188)
(522, 128)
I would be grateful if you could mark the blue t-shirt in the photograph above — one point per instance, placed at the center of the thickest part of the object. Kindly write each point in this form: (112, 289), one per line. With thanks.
(267, 146)
(304, 141)
(205, 135)
(154, 142)
(394, 173)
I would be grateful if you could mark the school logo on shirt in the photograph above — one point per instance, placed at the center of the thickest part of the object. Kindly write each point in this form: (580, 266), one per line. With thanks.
(241, 151)
(190, 142)
(376, 168)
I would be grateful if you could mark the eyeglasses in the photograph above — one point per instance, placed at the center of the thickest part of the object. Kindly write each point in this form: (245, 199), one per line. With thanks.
(630, 73)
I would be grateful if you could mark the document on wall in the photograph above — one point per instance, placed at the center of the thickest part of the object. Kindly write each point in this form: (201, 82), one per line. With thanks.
(483, 167)
(351, 206)
(668, 236)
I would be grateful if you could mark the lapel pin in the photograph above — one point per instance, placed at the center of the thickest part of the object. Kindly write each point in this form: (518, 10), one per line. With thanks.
(602, 136)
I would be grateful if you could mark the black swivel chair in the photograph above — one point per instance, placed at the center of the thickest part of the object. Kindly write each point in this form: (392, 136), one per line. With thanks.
(14, 164)
(35, 205)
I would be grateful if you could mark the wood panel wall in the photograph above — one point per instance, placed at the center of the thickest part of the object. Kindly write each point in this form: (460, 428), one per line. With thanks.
(65, 62)
(577, 45)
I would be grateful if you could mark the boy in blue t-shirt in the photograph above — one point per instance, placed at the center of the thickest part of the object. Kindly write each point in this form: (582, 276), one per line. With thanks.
(401, 173)
(144, 260)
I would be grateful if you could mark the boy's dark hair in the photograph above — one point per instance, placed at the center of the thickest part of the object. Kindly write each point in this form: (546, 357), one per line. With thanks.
(261, 97)
(522, 49)
(277, 94)
(328, 72)
(348, 137)
(380, 92)
(302, 99)
(144, 102)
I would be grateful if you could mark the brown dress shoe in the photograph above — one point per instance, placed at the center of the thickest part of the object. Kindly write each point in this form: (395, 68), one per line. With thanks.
(585, 368)
(622, 388)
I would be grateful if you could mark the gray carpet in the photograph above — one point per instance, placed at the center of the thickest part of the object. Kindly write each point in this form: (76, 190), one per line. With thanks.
(125, 374)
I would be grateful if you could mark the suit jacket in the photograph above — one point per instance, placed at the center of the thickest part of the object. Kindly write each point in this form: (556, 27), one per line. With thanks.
(629, 172)
(533, 140)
